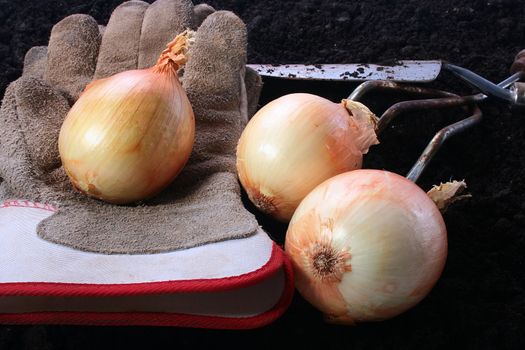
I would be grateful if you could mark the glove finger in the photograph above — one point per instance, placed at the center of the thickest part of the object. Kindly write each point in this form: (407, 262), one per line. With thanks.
(253, 84)
(214, 83)
(164, 19)
(213, 74)
(14, 161)
(200, 12)
(35, 62)
(30, 119)
(72, 53)
(120, 45)
(41, 111)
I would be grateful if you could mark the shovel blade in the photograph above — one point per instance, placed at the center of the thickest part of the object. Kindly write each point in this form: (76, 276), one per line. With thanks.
(400, 71)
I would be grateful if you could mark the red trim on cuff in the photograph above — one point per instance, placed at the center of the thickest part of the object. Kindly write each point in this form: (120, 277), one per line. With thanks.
(177, 286)
(278, 259)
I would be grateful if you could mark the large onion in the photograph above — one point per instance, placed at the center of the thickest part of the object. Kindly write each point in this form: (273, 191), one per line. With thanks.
(296, 142)
(366, 245)
(129, 135)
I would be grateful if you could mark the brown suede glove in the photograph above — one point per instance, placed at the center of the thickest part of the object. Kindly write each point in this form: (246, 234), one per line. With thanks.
(203, 204)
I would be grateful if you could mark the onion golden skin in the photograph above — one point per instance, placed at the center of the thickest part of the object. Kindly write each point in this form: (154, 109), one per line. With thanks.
(293, 144)
(386, 236)
(128, 136)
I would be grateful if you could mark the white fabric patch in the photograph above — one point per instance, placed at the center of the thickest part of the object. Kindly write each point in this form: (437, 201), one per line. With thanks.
(25, 257)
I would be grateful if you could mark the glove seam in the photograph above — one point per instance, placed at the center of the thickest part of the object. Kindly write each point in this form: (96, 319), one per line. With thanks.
(243, 104)
(139, 46)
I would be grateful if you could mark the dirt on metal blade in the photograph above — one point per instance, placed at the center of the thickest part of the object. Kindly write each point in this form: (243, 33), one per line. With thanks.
(402, 71)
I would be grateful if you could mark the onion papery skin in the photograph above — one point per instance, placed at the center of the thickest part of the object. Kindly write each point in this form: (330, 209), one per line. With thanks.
(128, 136)
(296, 142)
(366, 245)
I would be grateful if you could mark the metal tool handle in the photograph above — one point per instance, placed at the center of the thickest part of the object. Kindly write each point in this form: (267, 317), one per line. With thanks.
(485, 86)
(515, 95)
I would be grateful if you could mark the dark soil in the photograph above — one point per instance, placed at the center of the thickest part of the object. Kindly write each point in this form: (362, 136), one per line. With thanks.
(479, 302)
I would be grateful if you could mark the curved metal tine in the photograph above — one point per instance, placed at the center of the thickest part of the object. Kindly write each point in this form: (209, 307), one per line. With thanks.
(439, 139)
(453, 101)
(433, 103)
(370, 85)
(444, 134)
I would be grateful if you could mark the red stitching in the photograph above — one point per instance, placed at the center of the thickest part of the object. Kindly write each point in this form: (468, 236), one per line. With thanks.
(9, 203)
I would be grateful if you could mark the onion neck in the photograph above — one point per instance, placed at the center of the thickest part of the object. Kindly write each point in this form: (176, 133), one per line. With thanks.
(447, 193)
(175, 55)
(366, 122)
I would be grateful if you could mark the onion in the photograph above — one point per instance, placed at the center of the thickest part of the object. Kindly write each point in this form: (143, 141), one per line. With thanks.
(296, 142)
(366, 245)
(128, 136)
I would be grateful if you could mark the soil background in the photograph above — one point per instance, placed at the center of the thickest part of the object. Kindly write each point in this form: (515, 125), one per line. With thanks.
(479, 302)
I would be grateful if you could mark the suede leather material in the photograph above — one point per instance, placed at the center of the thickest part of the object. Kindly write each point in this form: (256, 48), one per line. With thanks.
(203, 204)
